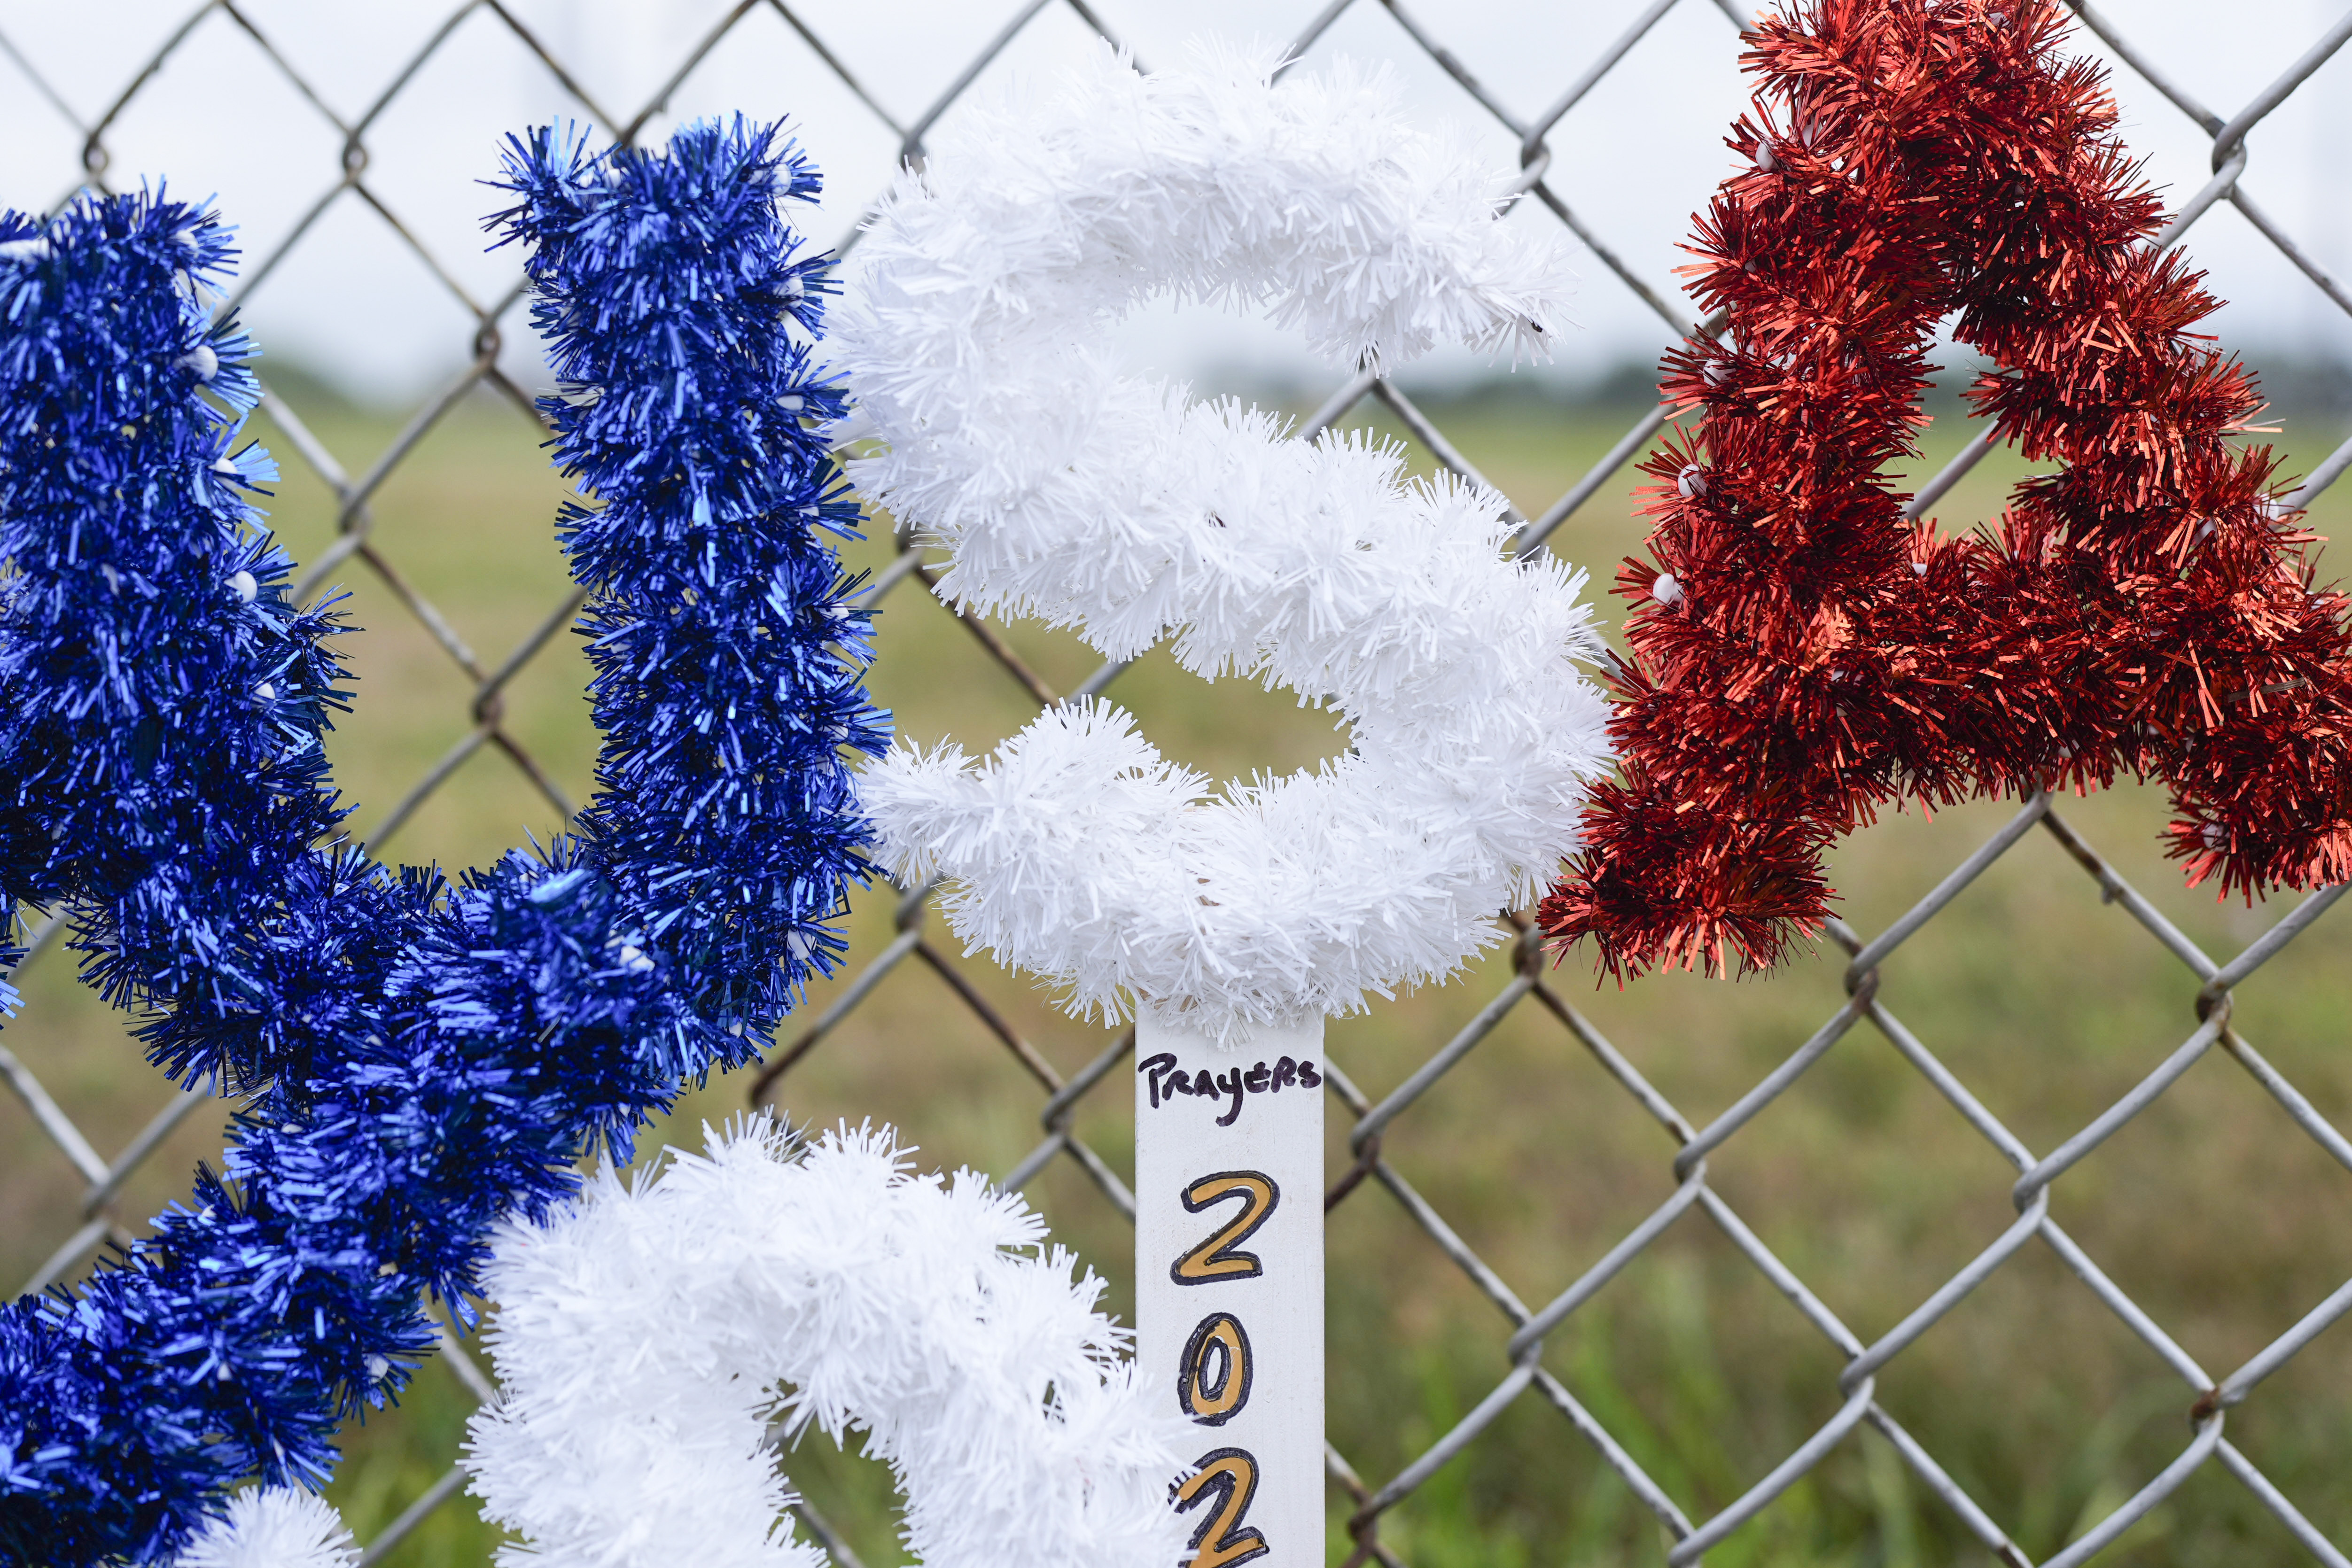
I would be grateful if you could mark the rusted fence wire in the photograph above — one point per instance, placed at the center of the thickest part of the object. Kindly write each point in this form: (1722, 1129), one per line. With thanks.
(1523, 1322)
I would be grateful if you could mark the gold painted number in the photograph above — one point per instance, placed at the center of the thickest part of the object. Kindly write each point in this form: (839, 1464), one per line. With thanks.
(1221, 1539)
(1214, 1382)
(1216, 1259)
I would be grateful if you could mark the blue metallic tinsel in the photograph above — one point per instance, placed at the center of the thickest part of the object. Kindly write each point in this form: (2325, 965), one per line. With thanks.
(414, 1056)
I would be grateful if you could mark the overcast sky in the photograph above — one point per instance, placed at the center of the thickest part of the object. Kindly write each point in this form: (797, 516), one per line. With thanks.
(1634, 158)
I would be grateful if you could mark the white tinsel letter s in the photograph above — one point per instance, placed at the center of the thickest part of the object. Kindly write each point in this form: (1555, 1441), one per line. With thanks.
(647, 1336)
(972, 333)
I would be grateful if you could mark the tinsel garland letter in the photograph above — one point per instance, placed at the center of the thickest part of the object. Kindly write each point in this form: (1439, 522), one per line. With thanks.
(1230, 923)
(413, 1059)
(1805, 657)
(643, 1332)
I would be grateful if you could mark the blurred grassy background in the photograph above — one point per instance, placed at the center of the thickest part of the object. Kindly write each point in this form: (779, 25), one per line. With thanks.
(2210, 1209)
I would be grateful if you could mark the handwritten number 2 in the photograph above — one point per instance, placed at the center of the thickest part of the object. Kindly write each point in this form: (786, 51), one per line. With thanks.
(1215, 1259)
(1221, 1539)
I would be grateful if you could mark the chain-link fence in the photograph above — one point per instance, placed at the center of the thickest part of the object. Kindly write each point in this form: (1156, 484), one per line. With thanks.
(1522, 1324)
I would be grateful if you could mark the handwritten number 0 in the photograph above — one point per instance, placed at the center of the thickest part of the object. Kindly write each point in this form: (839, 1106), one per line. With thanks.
(1221, 1539)
(1215, 1259)
(1220, 1337)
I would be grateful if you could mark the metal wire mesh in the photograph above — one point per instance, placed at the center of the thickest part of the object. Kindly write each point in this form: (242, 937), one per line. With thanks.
(1686, 1147)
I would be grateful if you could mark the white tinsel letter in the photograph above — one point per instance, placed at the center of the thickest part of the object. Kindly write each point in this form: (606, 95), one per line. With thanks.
(652, 1338)
(972, 333)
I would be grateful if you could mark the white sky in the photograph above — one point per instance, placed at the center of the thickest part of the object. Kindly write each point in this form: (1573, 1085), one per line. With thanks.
(1640, 152)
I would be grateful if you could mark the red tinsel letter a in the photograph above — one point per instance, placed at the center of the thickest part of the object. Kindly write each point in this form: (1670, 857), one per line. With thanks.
(1805, 655)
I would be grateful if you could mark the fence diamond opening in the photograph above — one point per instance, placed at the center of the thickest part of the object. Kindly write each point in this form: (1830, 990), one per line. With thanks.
(2208, 1394)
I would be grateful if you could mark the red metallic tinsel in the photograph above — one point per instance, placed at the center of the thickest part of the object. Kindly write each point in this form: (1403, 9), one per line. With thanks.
(1804, 655)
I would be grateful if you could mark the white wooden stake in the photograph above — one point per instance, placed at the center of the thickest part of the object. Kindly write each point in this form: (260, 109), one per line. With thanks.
(1229, 1279)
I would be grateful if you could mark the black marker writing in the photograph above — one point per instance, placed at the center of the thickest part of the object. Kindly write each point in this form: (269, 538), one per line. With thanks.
(1164, 1081)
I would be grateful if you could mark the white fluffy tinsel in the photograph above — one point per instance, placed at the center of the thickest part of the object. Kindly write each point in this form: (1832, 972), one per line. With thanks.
(272, 1527)
(643, 1333)
(974, 336)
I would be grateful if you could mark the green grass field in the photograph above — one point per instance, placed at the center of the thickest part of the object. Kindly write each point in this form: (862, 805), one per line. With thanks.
(2211, 1210)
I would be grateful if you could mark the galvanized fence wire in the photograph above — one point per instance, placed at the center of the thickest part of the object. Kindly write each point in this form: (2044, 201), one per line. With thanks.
(2209, 1397)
